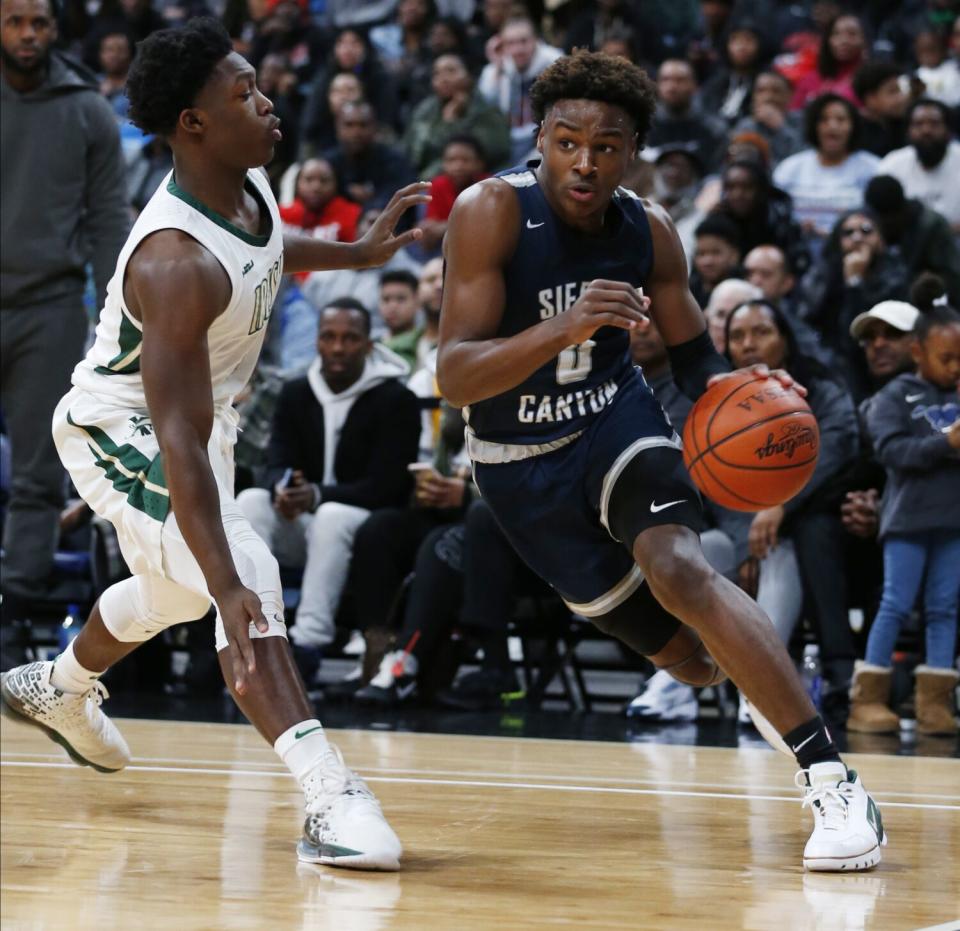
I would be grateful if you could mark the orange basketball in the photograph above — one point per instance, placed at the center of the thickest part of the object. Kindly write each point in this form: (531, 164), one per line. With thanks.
(750, 443)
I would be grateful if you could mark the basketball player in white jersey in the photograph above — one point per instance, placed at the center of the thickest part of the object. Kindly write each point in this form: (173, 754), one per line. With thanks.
(147, 433)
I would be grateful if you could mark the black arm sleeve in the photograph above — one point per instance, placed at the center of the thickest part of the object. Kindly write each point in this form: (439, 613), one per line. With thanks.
(694, 363)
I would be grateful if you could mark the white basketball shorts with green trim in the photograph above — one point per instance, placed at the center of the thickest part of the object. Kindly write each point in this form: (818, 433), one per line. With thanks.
(113, 458)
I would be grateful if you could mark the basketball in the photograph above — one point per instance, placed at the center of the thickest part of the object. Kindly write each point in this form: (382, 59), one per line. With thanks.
(750, 443)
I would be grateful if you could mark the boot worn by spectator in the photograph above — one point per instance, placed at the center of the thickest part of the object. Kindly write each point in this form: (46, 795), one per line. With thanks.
(935, 710)
(870, 711)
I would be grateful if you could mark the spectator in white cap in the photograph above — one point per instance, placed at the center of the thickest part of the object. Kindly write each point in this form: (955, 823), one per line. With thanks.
(885, 333)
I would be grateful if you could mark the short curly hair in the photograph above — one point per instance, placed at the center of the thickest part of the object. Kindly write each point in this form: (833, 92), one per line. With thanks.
(171, 68)
(814, 113)
(596, 76)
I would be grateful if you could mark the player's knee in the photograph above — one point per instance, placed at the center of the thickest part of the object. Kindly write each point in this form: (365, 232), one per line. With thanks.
(678, 577)
(698, 670)
(140, 607)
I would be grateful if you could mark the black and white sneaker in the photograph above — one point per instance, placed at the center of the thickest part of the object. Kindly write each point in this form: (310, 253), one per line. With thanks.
(73, 721)
(848, 830)
(394, 683)
(483, 690)
(345, 825)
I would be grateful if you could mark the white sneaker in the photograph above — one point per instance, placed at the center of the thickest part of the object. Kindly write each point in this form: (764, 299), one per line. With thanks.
(73, 721)
(345, 825)
(664, 699)
(848, 831)
(394, 683)
(356, 645)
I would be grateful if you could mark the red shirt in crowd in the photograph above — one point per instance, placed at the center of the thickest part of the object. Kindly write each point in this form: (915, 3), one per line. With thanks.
(444, 193)
(337, 222)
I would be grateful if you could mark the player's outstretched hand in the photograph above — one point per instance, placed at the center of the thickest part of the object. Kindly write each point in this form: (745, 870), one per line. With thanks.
(605, 303)
(238, 608)
(380, 243)
(764, 371)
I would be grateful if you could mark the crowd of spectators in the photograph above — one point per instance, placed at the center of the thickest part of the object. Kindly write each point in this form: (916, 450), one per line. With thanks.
(808, 155)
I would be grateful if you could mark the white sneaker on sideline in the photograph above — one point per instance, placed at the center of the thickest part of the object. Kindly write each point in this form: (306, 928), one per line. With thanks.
(848, 831)
(73, 721)
(345, 825)
(664, 699)
(356, 645)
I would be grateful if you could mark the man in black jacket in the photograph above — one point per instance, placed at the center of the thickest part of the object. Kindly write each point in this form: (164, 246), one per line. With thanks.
(342, 438)
(368, 171)
(61, 207)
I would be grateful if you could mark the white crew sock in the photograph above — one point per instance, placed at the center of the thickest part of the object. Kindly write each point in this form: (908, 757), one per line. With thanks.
(69, 676)
(302, 747)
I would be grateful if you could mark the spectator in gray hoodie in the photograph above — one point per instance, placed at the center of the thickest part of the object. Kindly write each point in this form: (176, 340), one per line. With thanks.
(62, 205)
(914, 423)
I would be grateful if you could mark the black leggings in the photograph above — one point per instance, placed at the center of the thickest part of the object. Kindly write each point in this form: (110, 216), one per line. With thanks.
(466, 572)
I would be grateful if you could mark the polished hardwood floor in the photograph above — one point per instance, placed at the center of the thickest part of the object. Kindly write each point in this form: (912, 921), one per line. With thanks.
(500, 833)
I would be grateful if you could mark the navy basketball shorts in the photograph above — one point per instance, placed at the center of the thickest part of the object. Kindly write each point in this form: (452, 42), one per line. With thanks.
(573, 514)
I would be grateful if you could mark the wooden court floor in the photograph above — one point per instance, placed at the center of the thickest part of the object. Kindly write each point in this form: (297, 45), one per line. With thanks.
(500, 833)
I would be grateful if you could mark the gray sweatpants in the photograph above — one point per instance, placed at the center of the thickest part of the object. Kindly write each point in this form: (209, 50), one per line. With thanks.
(39, 346)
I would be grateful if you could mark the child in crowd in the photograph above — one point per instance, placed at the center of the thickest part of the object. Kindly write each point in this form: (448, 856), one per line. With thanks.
(716, 255)
(914, 423)
(318, 208)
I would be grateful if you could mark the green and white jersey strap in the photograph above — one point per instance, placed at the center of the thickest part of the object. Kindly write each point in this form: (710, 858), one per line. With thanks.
(253, 263)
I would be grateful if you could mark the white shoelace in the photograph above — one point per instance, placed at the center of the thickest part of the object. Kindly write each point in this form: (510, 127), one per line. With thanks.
(829, 803)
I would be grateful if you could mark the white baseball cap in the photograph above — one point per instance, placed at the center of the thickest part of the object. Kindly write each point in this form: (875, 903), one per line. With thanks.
(898, 314)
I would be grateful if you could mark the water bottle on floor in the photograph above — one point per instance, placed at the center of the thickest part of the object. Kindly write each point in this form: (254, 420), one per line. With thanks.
(71, 625)
(811, 673)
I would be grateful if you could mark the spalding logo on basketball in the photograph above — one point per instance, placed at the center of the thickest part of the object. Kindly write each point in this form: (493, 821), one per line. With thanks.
(750, 443)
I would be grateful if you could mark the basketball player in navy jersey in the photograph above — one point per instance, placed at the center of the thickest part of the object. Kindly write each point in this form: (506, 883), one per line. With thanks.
(548, 268)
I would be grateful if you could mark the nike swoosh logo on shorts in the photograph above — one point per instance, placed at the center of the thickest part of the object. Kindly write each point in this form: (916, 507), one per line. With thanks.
(802, 744)
(309, 730)
(532, 226)
(910, 398)
(404, 690)
(656, 508)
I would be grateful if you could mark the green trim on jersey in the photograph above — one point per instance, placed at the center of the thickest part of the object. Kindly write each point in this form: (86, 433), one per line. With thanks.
(223, 222)
(127, 361)
(130, 471)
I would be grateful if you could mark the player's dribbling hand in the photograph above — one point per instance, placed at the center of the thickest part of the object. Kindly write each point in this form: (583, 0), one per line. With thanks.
(239, 607)
(605, 303)
(380, 242)
(764, 371)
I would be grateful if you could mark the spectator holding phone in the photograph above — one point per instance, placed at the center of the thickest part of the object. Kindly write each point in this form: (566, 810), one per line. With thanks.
(342, 437)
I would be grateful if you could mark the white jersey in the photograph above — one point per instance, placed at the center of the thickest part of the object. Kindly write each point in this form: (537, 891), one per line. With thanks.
(254, 265)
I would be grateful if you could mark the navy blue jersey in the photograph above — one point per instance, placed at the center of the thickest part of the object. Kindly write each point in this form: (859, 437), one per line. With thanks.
(544, 277)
